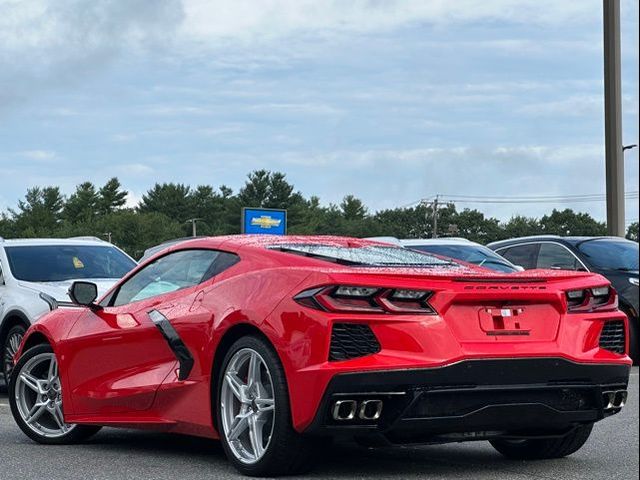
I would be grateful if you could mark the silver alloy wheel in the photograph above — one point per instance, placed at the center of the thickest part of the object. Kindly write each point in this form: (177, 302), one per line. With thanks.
(12, 343)
(247, 405)
(38, 396)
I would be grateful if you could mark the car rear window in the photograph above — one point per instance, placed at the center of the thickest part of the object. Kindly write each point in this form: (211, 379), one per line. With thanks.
(610, 254)
(477, 255)
(366, 256)
(58, 263)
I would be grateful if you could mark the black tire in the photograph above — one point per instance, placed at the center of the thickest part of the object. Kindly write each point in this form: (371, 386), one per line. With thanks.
(76, 435)
(9, 348)
(544, 448)
(288, 452)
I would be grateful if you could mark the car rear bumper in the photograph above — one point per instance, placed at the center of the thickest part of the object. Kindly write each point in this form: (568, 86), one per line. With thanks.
(473, 399)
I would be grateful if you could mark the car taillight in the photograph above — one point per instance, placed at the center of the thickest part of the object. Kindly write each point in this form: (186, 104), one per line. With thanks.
(357, 299)
(593, 299)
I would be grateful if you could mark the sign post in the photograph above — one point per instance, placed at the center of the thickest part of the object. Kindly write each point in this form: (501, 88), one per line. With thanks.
(271, 221)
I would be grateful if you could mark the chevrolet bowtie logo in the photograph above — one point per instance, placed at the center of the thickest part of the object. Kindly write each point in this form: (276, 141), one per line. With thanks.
(265, 221)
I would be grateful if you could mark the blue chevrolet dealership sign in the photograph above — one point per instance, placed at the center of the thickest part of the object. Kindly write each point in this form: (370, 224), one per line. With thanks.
(264, 220)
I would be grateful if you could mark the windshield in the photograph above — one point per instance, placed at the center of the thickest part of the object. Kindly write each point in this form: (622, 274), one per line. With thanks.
(610, 254)
(475, 254)
(369, 256)
(57, 263)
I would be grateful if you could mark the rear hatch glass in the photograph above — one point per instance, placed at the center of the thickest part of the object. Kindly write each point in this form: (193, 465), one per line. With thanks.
(365, 256)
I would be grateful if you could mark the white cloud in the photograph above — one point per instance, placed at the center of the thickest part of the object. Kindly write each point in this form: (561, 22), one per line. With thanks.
(578, 106)
(133, 199)
(533, 170)
(222, 130)
(173, 110)
(41, 26)
(39, 155)
(63, 31)
(134, 170)
(305, 108)
(123, 137)
(47, 44)
(552, 156)
(255, 20)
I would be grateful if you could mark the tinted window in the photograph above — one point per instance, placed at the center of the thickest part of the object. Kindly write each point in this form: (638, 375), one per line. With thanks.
(610, 254)
(57, 263)
(172, 272)
(552, 255)
(523, 255)
(475, 254)
(368, 256)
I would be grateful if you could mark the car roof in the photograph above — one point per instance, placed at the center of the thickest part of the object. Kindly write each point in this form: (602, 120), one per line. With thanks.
(571, 240)
(437, 241)
(149, 252)
(237, 242)
(269, 240)
(391, 240)
(32, 242)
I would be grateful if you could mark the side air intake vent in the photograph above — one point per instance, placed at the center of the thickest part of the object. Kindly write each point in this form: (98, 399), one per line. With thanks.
(613, 337)
(352, 340)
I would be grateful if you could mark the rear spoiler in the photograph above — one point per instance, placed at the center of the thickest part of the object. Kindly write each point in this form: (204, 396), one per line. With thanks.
(500, 280)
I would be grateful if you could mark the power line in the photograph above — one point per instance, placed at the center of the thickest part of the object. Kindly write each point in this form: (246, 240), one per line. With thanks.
(584, 198)
(533, 199)
(507, 199)
(588, 200)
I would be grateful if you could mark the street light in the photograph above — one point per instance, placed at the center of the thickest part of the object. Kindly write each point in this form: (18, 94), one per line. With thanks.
(193, 222)
(614, 165)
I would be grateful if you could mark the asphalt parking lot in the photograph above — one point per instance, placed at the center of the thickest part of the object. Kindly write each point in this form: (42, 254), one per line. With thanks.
(611, 452)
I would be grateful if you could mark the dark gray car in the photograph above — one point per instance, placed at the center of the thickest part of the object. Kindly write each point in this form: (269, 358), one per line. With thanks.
(613, 257)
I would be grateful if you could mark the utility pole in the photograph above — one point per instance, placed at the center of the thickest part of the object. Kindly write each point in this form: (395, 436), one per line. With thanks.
(613, 119)
(193, 222)
(435, 218)
(433, 205)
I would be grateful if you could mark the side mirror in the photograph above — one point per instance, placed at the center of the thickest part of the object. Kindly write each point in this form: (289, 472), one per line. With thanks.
(84, 293)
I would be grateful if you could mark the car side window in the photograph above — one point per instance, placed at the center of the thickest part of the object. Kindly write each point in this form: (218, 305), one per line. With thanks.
(557, 257)
(522, 255)
(175, 271)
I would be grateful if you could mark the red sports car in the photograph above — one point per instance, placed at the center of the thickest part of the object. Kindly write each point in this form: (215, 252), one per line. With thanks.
(271, 343)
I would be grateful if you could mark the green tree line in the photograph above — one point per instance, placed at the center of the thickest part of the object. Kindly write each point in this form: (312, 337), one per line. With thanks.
(164, 211)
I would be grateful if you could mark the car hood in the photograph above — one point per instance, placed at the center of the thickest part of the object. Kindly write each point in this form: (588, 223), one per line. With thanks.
(58, 290)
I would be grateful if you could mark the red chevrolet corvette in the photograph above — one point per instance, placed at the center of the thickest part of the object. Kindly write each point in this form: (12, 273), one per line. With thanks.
(271, 343)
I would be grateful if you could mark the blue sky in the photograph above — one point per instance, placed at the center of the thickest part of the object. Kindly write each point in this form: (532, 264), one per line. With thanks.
(389, 101)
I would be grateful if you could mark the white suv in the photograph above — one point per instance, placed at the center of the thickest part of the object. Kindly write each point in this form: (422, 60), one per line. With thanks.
(37, 273)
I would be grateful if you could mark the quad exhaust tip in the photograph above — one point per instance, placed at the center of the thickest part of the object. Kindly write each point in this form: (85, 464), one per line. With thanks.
(347, 410)
(614, 399)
